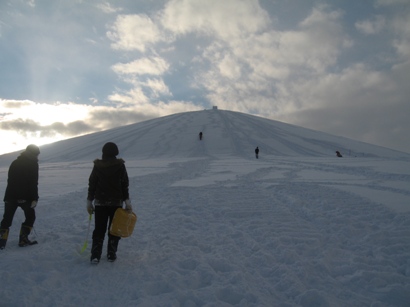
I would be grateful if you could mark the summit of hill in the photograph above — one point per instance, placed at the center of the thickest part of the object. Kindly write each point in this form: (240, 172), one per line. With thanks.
(225, 133)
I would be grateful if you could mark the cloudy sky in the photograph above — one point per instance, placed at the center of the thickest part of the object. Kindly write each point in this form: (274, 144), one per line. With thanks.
(71, 67)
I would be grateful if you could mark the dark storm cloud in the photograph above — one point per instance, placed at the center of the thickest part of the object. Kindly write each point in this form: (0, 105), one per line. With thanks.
(27, 127)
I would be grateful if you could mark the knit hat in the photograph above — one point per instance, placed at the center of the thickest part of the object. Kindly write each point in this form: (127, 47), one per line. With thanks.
(33, 149)
(110, 150)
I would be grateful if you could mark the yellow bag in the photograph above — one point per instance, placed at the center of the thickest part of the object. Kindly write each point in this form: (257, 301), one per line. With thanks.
(123, 223)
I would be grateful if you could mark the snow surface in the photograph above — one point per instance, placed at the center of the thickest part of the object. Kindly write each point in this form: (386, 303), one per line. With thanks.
(217, 227)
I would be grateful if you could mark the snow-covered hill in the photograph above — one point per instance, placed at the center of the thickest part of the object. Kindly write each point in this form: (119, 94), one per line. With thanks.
(226, 133)
(217, 227)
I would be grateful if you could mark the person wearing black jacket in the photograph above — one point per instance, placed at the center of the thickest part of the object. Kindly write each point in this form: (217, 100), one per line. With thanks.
(108, 189)
(21, 191)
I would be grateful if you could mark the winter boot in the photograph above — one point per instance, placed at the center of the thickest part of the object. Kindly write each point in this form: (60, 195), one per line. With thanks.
(4, 234)
(24, 232)
(96, 250)
(112, 248)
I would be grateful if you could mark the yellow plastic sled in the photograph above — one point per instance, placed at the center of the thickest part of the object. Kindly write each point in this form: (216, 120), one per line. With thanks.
(123, 223)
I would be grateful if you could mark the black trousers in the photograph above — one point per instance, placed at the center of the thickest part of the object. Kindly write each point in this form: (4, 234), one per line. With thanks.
(103, 219)
(10, 209)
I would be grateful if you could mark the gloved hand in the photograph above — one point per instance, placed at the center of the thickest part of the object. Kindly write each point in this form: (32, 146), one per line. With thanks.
(128, 206)
(33, 204)
(90, 207)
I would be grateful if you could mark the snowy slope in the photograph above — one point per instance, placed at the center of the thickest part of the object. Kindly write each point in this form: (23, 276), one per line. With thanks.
(217, 227)
(226, 133)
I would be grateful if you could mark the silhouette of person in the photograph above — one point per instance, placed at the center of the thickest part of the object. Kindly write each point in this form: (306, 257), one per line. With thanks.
(21, 191)
(200, 135)
(108, 189)
(257, 152)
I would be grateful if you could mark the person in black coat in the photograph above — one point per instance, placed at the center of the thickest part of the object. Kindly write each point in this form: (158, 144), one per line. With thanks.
(21, 191)
(257, 152)
(108, 189)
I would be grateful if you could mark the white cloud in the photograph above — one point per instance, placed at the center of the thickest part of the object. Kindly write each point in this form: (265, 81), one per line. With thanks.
(144, 66)
(373, 26)
(315, 45)
(108, 8)
(157, 87)
(324, 38)
(354, 103)
(229, 21)
(261, 63)
(132, 73)
(134, 32)
(403, 48)
(352, 87)
(31, 3)
(131, 97)
(390, 2)
(229, 67)
(224, 19)
(401, 28)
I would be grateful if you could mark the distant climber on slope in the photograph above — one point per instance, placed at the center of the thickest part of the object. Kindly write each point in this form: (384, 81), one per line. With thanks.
(200, 135)
(257, 152)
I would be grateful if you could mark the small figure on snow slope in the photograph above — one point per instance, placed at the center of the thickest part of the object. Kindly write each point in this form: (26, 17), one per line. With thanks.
(200, 135)
(21, 191)
(108, 188)
(257, 152)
